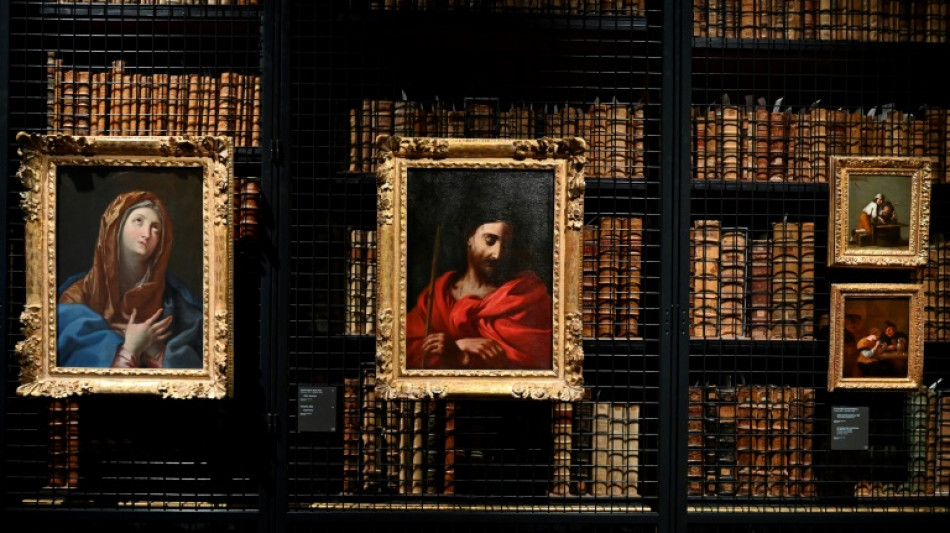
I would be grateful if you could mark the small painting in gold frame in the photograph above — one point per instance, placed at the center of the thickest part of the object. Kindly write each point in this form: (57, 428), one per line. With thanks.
(879, 211)
(876, 336)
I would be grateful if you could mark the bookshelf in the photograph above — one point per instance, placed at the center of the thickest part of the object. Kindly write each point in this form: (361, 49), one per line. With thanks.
(111, 68)
(692, 421)
(796, 77)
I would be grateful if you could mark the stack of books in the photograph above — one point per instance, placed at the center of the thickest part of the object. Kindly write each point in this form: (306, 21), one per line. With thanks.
(247, 194)
(63, 450)
(123, 102)
(921, 446)
(786, 280)
(935, 278)
(635, 8)
(751, 441)
(921, 435)
(360, 296)
(168, 2)
(396, 446)
(612, 276)
(943, 445)
(705, 238)
(615, 132)
(732, 287)
(759, 288)
(758, 143)
(605, 449)
(868, 20)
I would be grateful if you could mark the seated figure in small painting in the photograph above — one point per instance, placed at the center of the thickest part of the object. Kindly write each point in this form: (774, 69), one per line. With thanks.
(870, 348)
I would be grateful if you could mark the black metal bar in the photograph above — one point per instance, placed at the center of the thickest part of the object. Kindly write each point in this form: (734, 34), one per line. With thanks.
(277, 33)
(676, 178)
(5, 150)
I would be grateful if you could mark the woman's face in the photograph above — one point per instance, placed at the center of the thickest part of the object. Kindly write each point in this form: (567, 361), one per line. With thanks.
(141, 233)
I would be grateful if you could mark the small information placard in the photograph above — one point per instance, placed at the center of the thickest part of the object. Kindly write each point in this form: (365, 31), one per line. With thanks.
(316, 408)
(849, 428)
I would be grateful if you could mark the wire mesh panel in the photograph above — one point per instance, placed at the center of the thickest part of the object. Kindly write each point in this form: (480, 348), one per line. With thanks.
(133, 69)
(475, 70)
(778, 89)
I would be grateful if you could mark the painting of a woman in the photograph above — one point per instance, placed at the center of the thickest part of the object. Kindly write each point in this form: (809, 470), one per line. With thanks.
(127, 311)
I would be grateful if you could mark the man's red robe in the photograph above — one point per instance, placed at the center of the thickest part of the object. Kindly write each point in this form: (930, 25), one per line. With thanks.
(517, 316)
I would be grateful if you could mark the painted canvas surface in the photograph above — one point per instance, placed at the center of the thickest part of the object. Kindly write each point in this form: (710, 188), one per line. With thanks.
(479, 268)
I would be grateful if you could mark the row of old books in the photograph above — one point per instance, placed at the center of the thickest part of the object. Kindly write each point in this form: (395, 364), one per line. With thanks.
(121, 102)
(360, 296)
(412, 446)
(745, 287)
(247, 194)
(612, 275)
(63, 462)
(615, 132)
(396, 446)
(935, 278)
(167, 2)
(920, 431)
(759, 143)
(853, 20)
(751, 441)
(596, 449)
(943, 445)
(922, 426)
(546, 7)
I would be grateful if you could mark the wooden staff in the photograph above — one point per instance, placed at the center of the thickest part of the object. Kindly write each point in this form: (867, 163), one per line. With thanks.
(431, 296)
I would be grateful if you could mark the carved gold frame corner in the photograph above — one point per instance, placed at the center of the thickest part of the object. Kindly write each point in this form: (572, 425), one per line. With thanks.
(915, 333)
(916, 173)
(565, 157)
(40, 157)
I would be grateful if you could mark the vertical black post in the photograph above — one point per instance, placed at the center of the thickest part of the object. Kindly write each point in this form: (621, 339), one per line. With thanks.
(674, 255)
(274, 274)
(5, 165)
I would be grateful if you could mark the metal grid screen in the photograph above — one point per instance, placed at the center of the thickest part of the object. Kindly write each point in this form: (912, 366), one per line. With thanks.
(778, 88)
(734, 366)
(477, 70)
(106, 68)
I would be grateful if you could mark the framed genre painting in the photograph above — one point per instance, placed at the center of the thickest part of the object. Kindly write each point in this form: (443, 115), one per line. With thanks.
(879, 211)
(128, 266)
(479, 267)
(876, 336)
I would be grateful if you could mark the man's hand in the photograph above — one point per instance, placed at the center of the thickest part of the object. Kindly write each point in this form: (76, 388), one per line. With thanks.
(481, 349)
(441, 347)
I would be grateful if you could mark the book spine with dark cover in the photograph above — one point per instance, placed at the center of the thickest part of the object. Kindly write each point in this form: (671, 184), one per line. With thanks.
(562, 430)
(589, 278)
(351, 435)
(733, 276)
(942, 485)
(695, 439)
(629, 289)
(705, 238)
(608, 275)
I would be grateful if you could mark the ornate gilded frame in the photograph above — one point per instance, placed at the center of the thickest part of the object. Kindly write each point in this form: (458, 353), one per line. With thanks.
(855, 182)
(873, 300)
(564, 160)
(41, 158)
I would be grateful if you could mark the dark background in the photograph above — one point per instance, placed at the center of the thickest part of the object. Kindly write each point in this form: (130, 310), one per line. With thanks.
(83, 193)
(451, 197)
